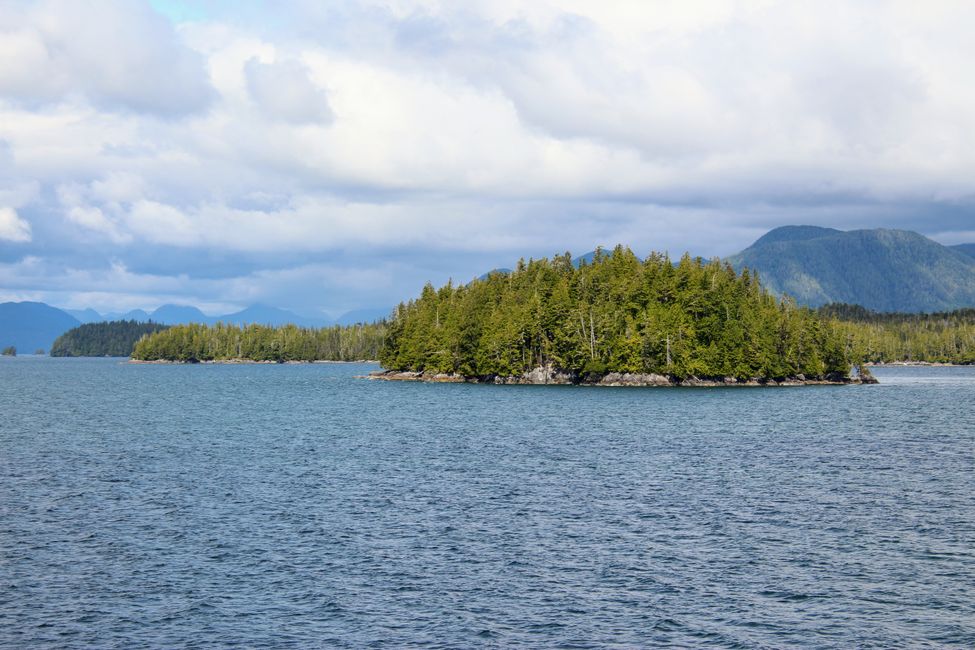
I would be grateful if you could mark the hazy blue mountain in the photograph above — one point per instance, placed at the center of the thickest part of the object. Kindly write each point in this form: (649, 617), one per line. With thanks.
(882, 270)
(30, 326)
(85, 315)
(364, 316)
(794, 234)
(587, 258)
(967, 249)
(179, 314)
(266, 315)
(138, 315)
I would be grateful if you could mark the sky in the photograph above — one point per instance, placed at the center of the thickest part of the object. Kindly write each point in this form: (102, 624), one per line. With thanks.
(332, 156)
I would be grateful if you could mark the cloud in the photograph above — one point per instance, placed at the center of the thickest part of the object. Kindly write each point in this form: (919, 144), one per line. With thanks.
(12, 227)
(163, 224)
(76, 206)
(115, 54)
(432, 140)
(284, 91)
(114, 286)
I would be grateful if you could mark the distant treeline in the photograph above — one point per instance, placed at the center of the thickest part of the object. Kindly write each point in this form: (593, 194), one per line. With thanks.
(616, 314)
(220, 342)
(947, 337)
(112, 339)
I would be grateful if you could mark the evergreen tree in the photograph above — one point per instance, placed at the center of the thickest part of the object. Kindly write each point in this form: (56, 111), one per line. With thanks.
(615, 313)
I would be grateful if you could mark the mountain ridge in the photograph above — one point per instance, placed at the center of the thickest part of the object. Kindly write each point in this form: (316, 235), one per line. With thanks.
(885, 270)
(30, 326)
(967, 249)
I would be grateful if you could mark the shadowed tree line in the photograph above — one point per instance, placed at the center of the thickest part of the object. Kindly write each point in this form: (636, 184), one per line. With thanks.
(110, 339)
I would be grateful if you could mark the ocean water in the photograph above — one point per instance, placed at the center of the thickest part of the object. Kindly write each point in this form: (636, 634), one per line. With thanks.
(300, 506)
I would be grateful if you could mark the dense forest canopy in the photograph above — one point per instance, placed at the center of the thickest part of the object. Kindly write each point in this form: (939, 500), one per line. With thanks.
(221, 342)
(111, 339)
(947, 337)
(617, 313)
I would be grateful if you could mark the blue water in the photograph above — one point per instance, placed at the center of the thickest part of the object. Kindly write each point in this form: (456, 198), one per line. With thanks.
(298, 506)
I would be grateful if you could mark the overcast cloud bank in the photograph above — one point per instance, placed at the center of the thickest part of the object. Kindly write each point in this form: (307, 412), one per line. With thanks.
(325, 159)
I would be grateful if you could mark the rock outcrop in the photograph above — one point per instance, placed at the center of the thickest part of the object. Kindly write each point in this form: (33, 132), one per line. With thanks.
(543, 375)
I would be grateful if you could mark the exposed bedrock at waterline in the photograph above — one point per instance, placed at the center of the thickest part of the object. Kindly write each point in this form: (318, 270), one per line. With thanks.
(555, 376)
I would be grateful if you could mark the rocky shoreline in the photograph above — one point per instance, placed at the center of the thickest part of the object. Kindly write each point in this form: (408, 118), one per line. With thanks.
(551, 376)
(916, 364)
(235, 362)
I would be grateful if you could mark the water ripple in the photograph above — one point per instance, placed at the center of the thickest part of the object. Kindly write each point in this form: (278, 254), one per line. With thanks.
(295, 506)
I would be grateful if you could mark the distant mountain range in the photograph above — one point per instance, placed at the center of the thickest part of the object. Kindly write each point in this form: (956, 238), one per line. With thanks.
(32, 326)
(883, 270)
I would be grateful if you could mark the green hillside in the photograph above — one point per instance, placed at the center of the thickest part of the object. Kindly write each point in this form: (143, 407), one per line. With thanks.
(882, 270)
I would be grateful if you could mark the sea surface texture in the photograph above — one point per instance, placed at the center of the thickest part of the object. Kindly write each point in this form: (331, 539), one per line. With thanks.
(300, 506)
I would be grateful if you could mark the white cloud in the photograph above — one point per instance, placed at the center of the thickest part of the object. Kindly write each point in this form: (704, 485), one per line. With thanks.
(116, 287)
(94, 219)
(115, 54)
(164, 224)
(490, 128)
(284, 91)
(75, 203)
(119, 187)
(12, 227)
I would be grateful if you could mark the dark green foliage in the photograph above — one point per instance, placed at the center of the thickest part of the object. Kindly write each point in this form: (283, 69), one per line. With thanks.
(617, 313)
(221, 342)
(885, 270)
(113, 339)
(947, 337)
(9, 351)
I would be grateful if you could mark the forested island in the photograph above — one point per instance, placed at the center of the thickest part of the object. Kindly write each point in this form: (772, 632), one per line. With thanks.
(195, 343)
(946, 337)
(110, 339)
(618, 320)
